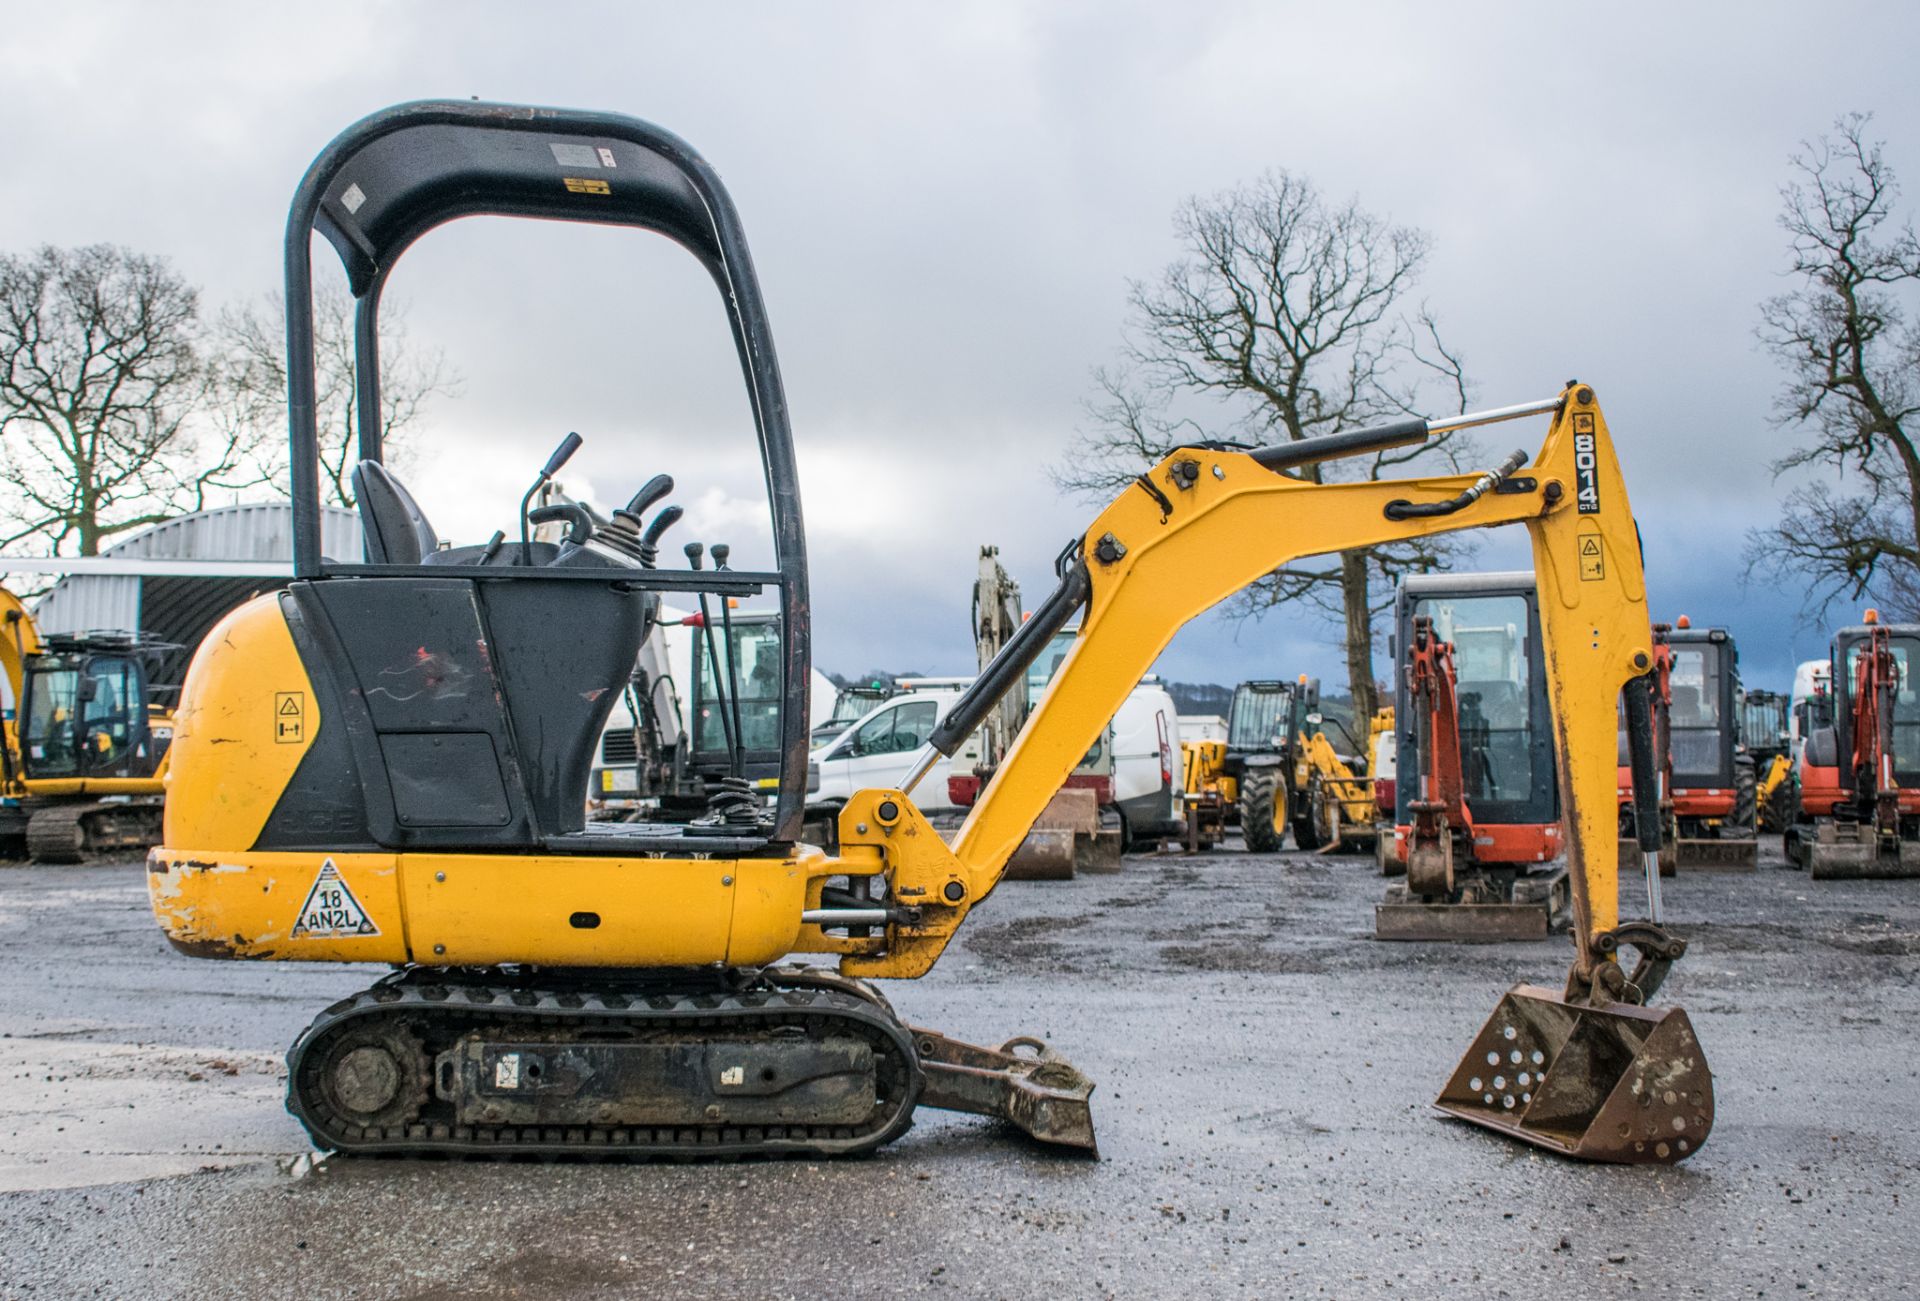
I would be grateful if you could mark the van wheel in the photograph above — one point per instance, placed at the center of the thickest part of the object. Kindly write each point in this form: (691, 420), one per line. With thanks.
(1263, 810)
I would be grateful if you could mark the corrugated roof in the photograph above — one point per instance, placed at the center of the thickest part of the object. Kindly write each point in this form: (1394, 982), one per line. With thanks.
(249, 531)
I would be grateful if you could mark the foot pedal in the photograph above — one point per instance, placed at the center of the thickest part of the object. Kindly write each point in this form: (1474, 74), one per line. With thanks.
(1619, 1083)
(1023, 1082)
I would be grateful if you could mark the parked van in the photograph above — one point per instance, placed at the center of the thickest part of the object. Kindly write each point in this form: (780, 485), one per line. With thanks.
(1133, 769)
(879, 748)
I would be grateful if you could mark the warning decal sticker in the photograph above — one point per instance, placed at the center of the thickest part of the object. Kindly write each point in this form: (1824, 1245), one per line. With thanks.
(1593, 558)
(289, 717)
(331, 909)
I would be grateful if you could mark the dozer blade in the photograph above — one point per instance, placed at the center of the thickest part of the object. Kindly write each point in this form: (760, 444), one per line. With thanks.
(1700, 855)
(1619, 1083)
(1845, 860)
(1022, 1082)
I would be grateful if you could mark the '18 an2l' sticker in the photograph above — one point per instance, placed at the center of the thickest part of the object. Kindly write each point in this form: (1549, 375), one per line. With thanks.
(331, 910)
(1586, 464)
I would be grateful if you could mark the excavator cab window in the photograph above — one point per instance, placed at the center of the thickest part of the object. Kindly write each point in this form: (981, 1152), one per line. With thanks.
(755, 675)
(1260, 715)
(1906, 701)
(51, 710)
(107, 722)
(1496, 717)
(85, 715)
(1699, 737)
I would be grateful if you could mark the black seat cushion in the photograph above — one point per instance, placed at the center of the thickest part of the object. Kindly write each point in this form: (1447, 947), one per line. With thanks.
(396, 528)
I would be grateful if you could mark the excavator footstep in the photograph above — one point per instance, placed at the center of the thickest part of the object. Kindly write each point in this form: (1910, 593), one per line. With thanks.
(1022, 1082)
(1619, 1083)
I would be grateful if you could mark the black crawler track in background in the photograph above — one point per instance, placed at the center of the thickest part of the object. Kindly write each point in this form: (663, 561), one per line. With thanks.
(440, 1007)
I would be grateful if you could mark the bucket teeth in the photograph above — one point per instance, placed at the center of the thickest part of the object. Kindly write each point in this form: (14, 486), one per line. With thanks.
(1619, 1083)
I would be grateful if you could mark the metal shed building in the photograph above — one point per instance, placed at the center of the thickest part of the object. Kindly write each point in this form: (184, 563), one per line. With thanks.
(183, 609)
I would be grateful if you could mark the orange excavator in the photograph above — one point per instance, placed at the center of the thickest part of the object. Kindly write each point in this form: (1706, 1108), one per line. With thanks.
(1478, 818)
(1858, 812)
(1707, 785)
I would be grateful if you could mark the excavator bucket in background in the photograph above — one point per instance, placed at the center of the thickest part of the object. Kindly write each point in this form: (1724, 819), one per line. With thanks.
(1621, 1083)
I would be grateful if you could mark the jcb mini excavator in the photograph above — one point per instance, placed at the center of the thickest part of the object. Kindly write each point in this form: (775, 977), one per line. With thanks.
(384, 763)
(1707, 784)
(1858, 811)
(84, 761)
(1477, 827)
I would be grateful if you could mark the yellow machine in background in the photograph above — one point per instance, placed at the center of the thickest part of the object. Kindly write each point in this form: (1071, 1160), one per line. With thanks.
(565, 990)
(1206, 791)
(84, 761)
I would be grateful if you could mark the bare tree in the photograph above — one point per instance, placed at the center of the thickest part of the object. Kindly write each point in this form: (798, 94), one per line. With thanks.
(101, 381)
(1852, 363)
(1285, 319)
(252, 384)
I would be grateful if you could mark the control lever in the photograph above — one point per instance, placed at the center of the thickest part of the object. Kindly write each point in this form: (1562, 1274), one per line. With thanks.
(621, 539)
(650, 540)
(721, 551)
(693, 552)
(561, 455)
(579, 522)
(656, 488)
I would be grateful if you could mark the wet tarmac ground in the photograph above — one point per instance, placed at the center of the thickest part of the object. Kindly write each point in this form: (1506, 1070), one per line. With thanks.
(1265, 1073)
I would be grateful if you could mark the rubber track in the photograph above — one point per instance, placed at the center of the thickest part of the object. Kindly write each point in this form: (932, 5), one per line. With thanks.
(448, 1009)
(63, 833)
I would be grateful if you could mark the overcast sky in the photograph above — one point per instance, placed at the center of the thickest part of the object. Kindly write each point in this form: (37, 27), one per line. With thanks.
(946, 204)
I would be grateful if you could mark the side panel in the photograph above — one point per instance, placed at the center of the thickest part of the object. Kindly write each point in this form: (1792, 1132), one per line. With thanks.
(248, 714)
(479, 909)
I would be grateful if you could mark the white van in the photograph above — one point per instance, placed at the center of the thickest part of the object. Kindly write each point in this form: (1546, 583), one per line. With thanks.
(877, 751)
(1138, 778)
(1146, 764)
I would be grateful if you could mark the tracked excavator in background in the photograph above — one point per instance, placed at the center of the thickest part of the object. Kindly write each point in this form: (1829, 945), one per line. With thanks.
(1858, 774)
(1707, 782)
(564, 989)
(1477, 827)
(85, 755)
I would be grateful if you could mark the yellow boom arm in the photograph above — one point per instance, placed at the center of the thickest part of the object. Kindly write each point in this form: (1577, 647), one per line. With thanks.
(1206, 523)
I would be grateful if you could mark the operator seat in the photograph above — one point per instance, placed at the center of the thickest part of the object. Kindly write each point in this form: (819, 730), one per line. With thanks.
(396, 529)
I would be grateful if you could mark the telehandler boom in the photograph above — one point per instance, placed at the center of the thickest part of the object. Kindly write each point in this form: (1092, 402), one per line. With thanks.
(384, 763)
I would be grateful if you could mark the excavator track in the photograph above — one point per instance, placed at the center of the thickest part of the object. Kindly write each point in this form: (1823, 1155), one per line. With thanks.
(75, 832)
(442, 1063)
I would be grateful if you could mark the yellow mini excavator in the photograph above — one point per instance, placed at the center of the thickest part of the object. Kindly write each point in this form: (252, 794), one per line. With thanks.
(384, 763)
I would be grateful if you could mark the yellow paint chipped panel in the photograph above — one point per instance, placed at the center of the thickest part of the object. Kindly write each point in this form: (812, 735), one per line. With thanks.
(229, 760)
(310, 907)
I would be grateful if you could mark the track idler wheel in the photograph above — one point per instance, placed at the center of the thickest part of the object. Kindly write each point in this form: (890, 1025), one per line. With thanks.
(374, 1077)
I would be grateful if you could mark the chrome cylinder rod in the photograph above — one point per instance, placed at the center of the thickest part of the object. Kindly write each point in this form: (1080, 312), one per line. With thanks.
(844, 916)
(1492, 416)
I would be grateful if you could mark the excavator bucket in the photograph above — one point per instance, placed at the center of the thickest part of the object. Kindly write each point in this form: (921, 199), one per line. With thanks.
(1619, 1083)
